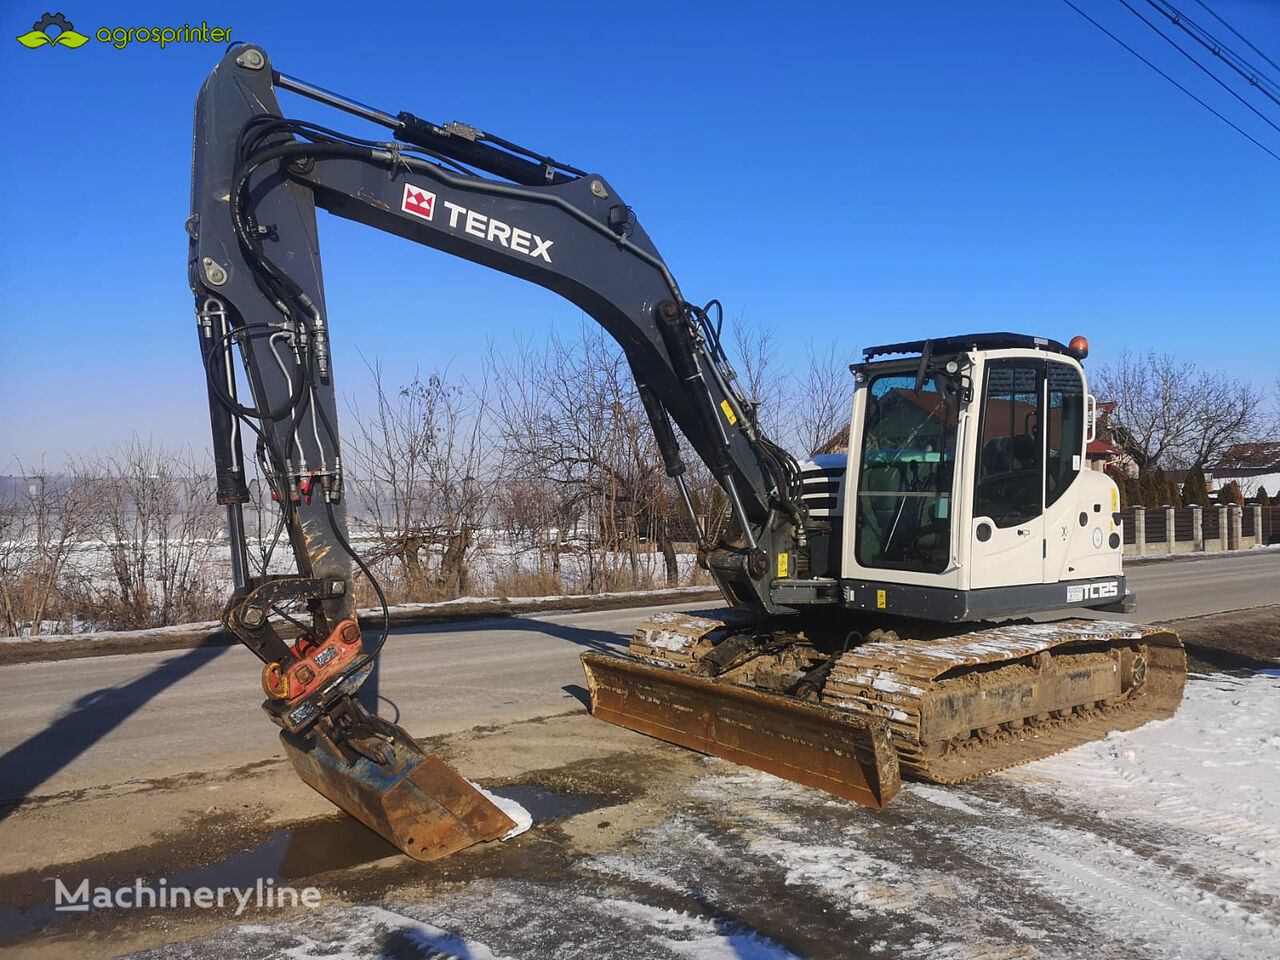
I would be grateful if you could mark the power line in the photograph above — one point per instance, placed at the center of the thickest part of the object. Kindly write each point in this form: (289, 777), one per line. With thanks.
(1256, 143)
(1237, 33)
(1213, 46)
(1209, 73)
(1259, 75)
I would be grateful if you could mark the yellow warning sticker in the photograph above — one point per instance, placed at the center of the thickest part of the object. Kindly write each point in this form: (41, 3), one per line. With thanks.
(782, 564)
(729, 415)
(880, 600)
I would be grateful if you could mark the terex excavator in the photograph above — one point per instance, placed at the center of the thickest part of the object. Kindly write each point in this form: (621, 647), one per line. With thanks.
(855, 581)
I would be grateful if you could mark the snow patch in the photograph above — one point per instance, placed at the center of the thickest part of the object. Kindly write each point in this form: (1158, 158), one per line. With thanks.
(941, 798)
(699, 938)
(522, 818)
(348, 934)
(1208, 774)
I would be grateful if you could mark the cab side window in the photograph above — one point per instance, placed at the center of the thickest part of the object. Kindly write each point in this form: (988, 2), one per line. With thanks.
(1065, 424)
(1010, 461)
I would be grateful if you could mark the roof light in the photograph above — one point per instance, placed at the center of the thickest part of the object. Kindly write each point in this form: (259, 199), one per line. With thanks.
(1078, 347)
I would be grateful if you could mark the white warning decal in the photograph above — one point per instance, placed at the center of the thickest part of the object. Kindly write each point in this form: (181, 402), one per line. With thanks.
(419, 202)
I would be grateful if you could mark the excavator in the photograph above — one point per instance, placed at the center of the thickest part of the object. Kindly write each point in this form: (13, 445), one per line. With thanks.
(879, 600)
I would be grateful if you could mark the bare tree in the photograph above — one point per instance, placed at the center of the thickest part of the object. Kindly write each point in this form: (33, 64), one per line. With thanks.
(764, 384)
(577, 445)
(710, 503)
(153, 513)
(422, 481)
(1172, 413)
(824, 397)
(43, 518)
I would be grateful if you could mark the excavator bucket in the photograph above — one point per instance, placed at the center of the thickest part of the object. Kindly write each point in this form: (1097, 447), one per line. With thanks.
(792, 739)
(416, 802)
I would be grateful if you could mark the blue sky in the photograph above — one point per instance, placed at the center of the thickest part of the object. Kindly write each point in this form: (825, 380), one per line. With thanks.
(863, 172)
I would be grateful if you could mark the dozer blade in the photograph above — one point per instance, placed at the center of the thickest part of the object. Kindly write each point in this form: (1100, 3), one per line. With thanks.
(803, 742)
(416, 802)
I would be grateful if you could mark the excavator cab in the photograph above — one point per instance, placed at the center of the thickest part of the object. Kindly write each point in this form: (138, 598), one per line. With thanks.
(967, 494)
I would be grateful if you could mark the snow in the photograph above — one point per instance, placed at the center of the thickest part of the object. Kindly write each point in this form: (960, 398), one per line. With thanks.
(942, 797)
(1140, 558)
(675, 643)
(522, 818)
(1211, 775)
(1162, 842)
(347, 934)
(698, 938)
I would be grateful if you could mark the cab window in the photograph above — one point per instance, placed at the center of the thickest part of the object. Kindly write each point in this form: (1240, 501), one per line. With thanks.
(1064, 421)
(903, 517)
(1010, 462)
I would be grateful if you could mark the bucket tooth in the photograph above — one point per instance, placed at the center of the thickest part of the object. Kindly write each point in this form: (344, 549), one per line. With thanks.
(415, 801)
(809, 744)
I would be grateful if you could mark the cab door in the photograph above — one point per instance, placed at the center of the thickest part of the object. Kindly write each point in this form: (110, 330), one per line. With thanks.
(1073, 540)
(1007, 539)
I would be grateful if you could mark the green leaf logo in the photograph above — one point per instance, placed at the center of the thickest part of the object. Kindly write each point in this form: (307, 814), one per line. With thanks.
(64, 34)
(69, 38)
(37, 38)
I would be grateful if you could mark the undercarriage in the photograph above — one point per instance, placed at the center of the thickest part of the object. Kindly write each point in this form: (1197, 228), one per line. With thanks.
(954, 703)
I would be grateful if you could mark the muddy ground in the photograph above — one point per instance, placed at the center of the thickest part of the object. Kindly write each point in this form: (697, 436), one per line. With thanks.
(640, 849)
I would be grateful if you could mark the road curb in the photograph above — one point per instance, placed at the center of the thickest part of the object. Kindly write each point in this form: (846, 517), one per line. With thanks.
(1145, 559)
(212, 634)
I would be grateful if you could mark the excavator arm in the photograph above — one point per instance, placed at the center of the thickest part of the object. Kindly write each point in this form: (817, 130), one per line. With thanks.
(255, 269)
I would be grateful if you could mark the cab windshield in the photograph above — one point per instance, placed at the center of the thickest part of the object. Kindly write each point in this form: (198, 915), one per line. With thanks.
(904, 486)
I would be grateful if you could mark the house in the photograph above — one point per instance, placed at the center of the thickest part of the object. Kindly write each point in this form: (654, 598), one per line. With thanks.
(1252, 465)
(1101, 451)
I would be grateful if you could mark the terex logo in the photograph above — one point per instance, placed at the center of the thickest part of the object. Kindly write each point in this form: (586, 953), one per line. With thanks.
(419, 202)
(1092, 591)
(495, 231)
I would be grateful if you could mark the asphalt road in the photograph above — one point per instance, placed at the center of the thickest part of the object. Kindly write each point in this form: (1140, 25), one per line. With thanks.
(81, 723)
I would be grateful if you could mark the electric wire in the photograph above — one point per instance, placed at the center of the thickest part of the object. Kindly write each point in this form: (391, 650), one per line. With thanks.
(1233, 126)
(1237, 33)
(1180, 21)
(1216, 79)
